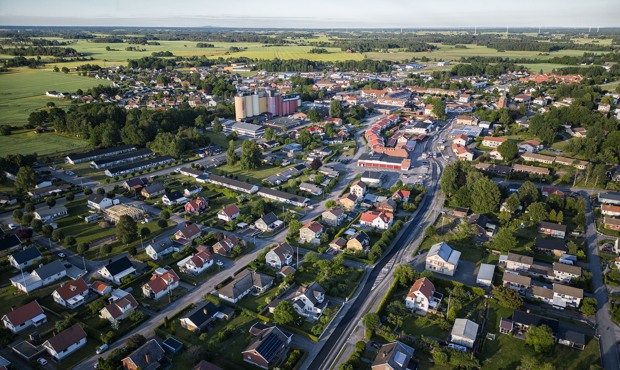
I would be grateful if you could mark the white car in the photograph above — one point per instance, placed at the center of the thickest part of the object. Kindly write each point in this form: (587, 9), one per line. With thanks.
(219, 263)
(12, 226)
(102, 349)
(62, 255)
(42, 361)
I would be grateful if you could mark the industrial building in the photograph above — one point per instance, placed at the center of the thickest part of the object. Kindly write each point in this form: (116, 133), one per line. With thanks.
(272, 103)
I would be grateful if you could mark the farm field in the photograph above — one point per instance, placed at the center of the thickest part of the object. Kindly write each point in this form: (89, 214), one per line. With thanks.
(23, 91)
(28, 142)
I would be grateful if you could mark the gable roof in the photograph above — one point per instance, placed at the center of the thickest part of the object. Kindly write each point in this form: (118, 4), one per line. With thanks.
(268, 343)
(26, 255)
(269, 218)
(552, 226)
(20, 315)
(9, 241)
(313, 226)
(72, 289)
(114, 308)
(528, 319)
(119, 266)
(189, 231)
(465, 328)
(161, 281)
(514, 257)
(395, 355)
(230, 210)
(424, 286)
(281, 250)
(202, 314)
(445, 252)
(50, 269)
(66, 338)
(517, 279)
(569, 269)
(568, 290)
(244, 281)
(150, 350)
(550, 244)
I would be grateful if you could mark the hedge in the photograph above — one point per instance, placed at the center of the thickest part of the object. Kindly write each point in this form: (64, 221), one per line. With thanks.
(314, 338)
(387, 296)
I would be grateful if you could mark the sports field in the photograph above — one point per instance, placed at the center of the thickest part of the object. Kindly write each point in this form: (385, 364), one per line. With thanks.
(23, 90)
(27, 142)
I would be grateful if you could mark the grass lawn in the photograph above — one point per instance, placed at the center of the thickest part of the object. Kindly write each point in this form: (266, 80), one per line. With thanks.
(75, 225)
(417, 325)
(340, 286)
(256, 303)
(27, 142)
(252, 176)
(23, 91)
(158, 304)
(81, 354)
(10, 296)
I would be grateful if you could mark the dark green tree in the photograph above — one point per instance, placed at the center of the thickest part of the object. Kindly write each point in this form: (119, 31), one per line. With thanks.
(335, 109)
(540, 337)
(508, 150)
(126, 229)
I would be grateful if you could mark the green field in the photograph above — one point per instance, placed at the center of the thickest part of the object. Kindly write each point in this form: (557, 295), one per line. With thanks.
(23, 90)
(28, 142)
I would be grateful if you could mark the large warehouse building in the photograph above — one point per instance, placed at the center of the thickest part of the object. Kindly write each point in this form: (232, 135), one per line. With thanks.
(383, 161)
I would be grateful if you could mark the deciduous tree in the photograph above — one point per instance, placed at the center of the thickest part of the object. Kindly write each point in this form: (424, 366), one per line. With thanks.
(126, 229)
(540, 337)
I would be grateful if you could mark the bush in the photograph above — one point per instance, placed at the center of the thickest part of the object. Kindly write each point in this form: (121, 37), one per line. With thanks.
(162, 224)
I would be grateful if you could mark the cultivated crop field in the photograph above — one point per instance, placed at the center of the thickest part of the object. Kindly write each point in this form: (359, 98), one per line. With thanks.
(23, 90)
(28, 142)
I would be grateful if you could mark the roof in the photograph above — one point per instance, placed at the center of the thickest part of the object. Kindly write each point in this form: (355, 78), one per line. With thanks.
(22, 314)
(569, 269)
(244, 281)
(230, 210)
(66, 338)
(269, 218)
(161, 281)
(496, 139)
(268, 343)
(236, 183)
(517, 279)
(282, 195)
(505, 324)
(70, 290)
(26, 255)
(202, 314)
(526, 318)
(99, 152)
(424, 286)
(568, 290)
(100, 286)
(281, 250)
(114, 308)
(372, 175)
(395, 355)
(552, 226)
(119, 266)
(465, 328)
(550, 244)
(205, 365)
(445, 252)
(486, 271)
(96, 198)
(572, 336)
(150, 349)
(50, 269)
(154, 188)
(311, 292)
(514, 257)
(313, 226)
(361, 237)
(189, 231)
(609, 196)
(541, 291)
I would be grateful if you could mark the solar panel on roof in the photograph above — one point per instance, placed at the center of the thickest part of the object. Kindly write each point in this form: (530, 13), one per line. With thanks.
(269, 346)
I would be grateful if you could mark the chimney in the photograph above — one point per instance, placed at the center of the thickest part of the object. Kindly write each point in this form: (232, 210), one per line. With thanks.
(204, 310)
(146, 358)
(384, 354)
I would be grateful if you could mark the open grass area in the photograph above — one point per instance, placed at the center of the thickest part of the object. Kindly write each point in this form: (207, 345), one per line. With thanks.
(252, 176)
(27, 142)
(256, 303)
(23, 90)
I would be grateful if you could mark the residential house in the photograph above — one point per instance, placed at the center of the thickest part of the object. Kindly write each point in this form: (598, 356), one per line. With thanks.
(117, 270)
(493, 142)
(99, 202)
(372, 178)
(518, 262)
(120, 306)
(547, 191)
(566, 296)
(462, 153)
(461, 140)
(401, 195)
(174, 198)
(534, 157)
(101, 288)
(97, 154)
(191, 172)
(338, 243)
(229, 213)
(225, 245)
(552, 229)
(495, 154)
(442, 259)
(280, 256)
(358, 188)
(190, 232)
(196, 206)
(196, 263)
(20, 318)
(162, 248)
(517, 282)
(48, 214)
(542, 293)
(609, 198)
(311, 188)
(485, 275)
(135, 183)
(522, 320)
(377, 219)
(283, 197)
(71, 295)
(394, 356)
(189, 191)
(464, 333)
(203, 315)
(148, 357)
(550, 246)
(237, 185)
(360, 241)
(460, 212)
(311, 233)
(565, 273)
(420, 296)
(27, 257)
(610, 210)
(268, 347)
(310, 301)
(530, 146)
(153, 191)
(348, 202)
(611, 223)
(163, 282)
(66, 342)
(245, 283)
(40, 277)
(268, 223)
(388, 205)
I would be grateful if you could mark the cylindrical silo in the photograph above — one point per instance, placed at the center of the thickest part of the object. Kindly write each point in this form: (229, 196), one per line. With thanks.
(262, 104)
(239, 109)
(255, 107)
(249, 112)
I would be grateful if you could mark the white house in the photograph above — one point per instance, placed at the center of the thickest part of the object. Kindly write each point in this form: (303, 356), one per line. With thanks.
(162, 282)
(485, 274)
(40, 277)
(310, 302)
(161, 248)
(117, 270)
(196, 263)
(518, 262)
(442, 259)
(358, 188)
(121, 305)
(71, 295)
(47, 214)
(25, 258)
(66, 342)
(464, 332)
(100, 202)
(229, 213)
(280, 256)
(566, 296)
(20, 318)
(564, 273)
(245, 283)
(420, 296)
(377, 219)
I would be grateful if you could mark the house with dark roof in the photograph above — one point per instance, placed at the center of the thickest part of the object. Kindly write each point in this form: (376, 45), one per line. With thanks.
(135, 183)
(268, 222)
(550, 246)
(161, 248)
(204, 314)
(20, 318)
(360, 241)
(153, 191)
(552, 229)
(117, 270)
(333, 216)
(120, 306)
(522, 320)
(148, 357)
(99, 202)
(518, 262)
(393, 356)
(311, 233)
(237, 185)
(310, 301)
(99, 153)
(71, 295)
(174, 198)
(40, 277)
(9, 242)
(190, 232)
(280, 256)
(268, 347)
(25, 258)
(66, 342)
(609, 198)
(245, 283)
(441, 258)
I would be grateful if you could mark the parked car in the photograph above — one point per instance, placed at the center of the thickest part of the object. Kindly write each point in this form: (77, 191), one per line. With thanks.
(42, 361)
(12, 226)
(102, 349)
(62, 255)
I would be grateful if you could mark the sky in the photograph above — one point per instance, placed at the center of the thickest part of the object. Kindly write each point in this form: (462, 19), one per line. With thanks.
(312, 14)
